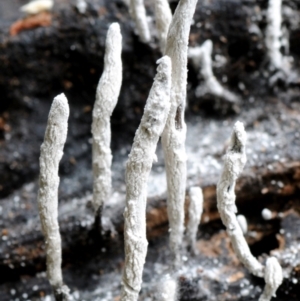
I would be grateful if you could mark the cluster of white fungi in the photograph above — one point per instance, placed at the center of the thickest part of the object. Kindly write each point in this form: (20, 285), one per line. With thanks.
(163, 116)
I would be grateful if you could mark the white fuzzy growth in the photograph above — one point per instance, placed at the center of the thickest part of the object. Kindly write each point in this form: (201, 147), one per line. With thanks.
(173, 138)
(273, 278)
(234, 162)
(51, 154)
(138, 168)
(266, 214)
(163, 16)
(168, 289)
(106, 99)
(201, 58)
(195, 213)
(243, 223)
(36, 6)
(273, 33)
(138, 14)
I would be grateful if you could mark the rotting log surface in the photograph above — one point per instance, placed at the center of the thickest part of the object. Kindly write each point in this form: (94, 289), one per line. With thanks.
(68, 56)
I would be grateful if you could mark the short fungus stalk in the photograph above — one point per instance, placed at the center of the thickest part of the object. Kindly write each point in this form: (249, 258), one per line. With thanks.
(273, 278)
(138, 168)
(174, 134)
(195, 213)
(138, 14)
(243, 223)
(163, 19)
(273, 34)
(201, 58)
(106, 99)
(167, 289)
(36, 6)
(51, 154)
(234, 162)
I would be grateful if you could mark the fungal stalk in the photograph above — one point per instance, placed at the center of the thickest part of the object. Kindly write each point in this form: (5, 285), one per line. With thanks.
(106, 99)
(163, 16)
(138, 168)
(37, 6)
(174, 134)
(195, 213)
(234, 162)
(138, 14)
(51, 154)
(273, 278)
(273, 34)
(202, 58)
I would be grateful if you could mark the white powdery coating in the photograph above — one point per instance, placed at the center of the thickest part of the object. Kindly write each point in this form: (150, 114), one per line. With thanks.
(195, 213)
(201, 57)
(168, 289)
(174, 134)
(243, 223)
(163, 16)
(273, 278)
(106, 99)
(51, 154)
(138, 168)
(36, 6)
(266, 214)
(234, 162)
(138, 14)
(273, 33)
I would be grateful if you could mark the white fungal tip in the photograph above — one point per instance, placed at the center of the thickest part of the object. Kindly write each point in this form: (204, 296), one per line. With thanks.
(239, 133)
(208, 45)
(266, 214)
(36, 6)
(273, 274)
(243, 223)
(81, 6)
(60, 107)
(115, 27)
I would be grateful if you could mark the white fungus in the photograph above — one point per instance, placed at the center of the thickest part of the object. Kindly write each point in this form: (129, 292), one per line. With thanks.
(243, 223)
(51, 154)
(36, 6)
(174, 134)
(138, 168)
(195, 213)
(106, 99)
(266, 214)
(163, 19)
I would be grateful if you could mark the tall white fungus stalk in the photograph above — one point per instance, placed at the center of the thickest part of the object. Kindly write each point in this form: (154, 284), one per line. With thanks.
(138, 14)
(163, 18)
(106, 99)
(273, 33)
(174, 134)
(138, 168)
(234, 162)
(51, 154)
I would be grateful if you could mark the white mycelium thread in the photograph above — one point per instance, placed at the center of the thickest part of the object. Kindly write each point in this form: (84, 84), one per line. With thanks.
(234, 162)
(273, 278)
(138, 14)
(51, 154)
(273, 33)
(163, 19)
(195, 213)
(174, 134)
(201, 58)
(106, 99)
(138, 168)
(36, 6)
(243, 223)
